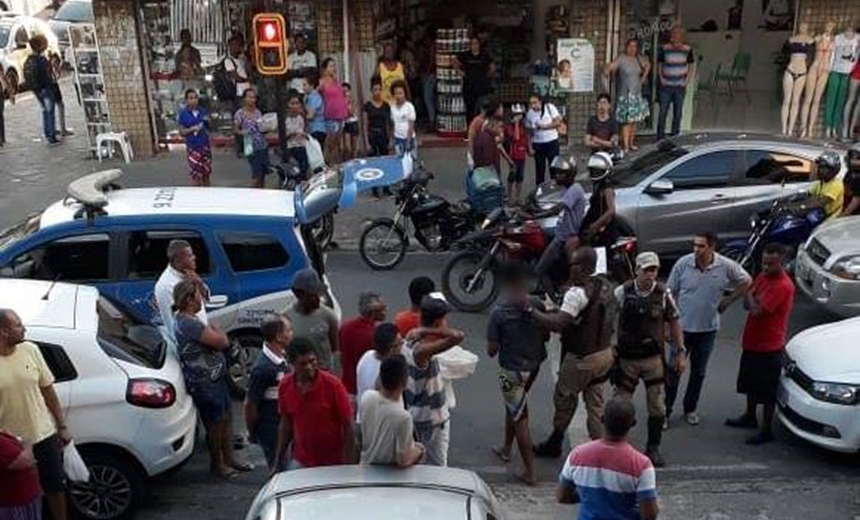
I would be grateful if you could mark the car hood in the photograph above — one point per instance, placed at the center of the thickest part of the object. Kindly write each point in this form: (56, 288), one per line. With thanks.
(840, 236)
(829, 353)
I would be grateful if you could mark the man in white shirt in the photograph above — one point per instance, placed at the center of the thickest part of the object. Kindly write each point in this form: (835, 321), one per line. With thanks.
(302, 63)
(387, 341)
(237, 66)
(182, 266)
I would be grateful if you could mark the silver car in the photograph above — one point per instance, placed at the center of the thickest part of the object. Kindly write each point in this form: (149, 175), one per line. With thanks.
(375, 492)
(828, 266)
(670, 190)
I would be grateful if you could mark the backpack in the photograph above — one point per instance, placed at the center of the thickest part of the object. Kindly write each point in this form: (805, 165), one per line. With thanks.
(225, 85)
(31, 74)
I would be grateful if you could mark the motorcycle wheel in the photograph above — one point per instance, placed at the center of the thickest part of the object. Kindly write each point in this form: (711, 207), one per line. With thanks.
(323, 230)
(383, 245)
(459, 273)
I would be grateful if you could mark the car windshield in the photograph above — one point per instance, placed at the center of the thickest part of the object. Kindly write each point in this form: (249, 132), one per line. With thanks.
(123, 339)
(21, 230)
(639, 167)
(4, 36)
(75, 12)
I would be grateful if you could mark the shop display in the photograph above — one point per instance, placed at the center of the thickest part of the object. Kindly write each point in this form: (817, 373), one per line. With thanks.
(845, 49)
(90, 83)
(801, 47)
(450, 105)
(816, 80)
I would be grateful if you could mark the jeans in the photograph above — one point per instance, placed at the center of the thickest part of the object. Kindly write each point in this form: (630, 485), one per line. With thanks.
(429, 93)
(46, 100)
(675, 96)
(699, 347)
(545, 153)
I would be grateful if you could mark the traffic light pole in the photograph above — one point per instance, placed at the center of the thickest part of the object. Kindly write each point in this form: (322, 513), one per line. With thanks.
(281, 109)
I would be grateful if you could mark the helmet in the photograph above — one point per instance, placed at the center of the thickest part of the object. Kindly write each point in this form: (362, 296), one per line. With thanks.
(561, 167)
(829, 163)
(599, 166)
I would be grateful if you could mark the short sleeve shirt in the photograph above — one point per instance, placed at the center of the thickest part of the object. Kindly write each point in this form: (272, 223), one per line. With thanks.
(386, 429)
(250, 123)
(572, 212)
(676, 61)
(295, 125)
(699, 292)
(306, 60)
(767, 330)
(266, 375)
(315, 102)
(23, 411)
(316, 327)
(407, 320)
(401, 116)
(521, 339)
(476, 72)
(575, 300)
(355, 338)
(201, 364)
(535, 118)
(366, 374)
(238, 65)
(188, 118)
(378, 119)
(833, 192)
(605, 130)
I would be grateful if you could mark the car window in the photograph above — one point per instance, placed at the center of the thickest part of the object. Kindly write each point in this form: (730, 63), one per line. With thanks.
(4, 36)
(74, 259)
(709, 170)
(147, 252)
(57, 360)
(121, 338)
(253, 251)
(770, 167)
(638, 168)
(21, 36)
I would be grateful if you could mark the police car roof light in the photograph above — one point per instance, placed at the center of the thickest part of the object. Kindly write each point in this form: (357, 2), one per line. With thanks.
(90, 190)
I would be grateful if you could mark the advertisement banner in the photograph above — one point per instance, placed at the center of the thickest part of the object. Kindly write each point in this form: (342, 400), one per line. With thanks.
(575, 68)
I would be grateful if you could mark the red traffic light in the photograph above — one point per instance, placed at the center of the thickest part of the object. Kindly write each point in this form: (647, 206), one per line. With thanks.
(270, 44)
(269, 32)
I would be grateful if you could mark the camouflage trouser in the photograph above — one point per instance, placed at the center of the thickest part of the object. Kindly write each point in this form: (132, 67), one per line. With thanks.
(651, 371)
(586, 375)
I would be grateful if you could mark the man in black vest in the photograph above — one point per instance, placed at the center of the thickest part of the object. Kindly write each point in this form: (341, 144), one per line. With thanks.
(646, 308)
(586, 321)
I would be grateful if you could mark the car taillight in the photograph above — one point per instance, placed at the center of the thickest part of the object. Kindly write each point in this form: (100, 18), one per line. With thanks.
(150, 393)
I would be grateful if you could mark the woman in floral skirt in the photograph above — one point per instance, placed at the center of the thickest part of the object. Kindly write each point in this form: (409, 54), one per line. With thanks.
(631, 108)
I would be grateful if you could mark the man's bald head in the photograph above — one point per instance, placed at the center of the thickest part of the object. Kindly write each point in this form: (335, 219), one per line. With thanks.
(585, 260)
(6, 318)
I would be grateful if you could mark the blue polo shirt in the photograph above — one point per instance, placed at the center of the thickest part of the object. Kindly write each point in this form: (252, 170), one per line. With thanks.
(698, 291)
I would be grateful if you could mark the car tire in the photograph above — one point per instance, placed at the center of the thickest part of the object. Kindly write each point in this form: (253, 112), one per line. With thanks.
(244, 349)
(115, 489)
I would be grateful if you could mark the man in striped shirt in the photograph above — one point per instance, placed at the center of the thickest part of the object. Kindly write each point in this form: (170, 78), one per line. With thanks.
(675, 66)
(610, 479)
(425, 393)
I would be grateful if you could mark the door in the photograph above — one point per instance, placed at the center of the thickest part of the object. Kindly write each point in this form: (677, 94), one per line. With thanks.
(19, 49)
(701, 196)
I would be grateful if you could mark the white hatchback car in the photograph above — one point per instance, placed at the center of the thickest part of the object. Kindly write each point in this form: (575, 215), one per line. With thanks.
(122, 392)
(819, 394)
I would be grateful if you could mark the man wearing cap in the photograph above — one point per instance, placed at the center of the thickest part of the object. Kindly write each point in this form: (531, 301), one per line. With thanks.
(646, 308)
(425, 393)
(302, 63)
(311, 319)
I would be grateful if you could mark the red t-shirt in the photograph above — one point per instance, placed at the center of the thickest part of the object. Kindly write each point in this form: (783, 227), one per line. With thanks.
(20, 486)
(318, 417)
(519, 141)
(407, 320)
(356, 338)
(766, 331)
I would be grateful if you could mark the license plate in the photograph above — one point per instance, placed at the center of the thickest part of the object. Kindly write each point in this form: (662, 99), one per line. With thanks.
(782, 397)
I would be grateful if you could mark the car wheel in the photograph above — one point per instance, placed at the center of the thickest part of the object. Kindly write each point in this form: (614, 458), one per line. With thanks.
(114, 490)
(244, 349)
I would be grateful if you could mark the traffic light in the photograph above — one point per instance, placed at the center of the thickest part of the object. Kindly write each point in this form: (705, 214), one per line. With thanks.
(270, 44)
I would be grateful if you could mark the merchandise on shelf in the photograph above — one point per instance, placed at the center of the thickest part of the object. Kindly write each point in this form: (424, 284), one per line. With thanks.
(450, 105)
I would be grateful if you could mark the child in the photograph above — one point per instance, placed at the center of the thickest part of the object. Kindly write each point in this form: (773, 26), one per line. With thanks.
(297, 136)
(377, 123)
(194, 127)
(350, 128)
(565, 77)
(517, 139)
(403, 117)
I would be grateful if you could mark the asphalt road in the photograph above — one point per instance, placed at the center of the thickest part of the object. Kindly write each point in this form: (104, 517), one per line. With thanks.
(711, 474)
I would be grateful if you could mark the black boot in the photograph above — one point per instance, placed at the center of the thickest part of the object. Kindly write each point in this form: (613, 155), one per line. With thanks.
(550, 448)
(655, 435)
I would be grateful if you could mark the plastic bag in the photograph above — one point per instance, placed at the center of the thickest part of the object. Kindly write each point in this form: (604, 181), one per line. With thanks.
(248, 146)
(457, 363)
(316, 159)
(269, 123)
(73, 464)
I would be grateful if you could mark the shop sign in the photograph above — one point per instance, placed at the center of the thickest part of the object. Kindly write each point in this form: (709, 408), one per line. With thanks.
(575, 67)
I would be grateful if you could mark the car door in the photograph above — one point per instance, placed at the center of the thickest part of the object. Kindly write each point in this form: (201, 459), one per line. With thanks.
(695, 193)
(144, 257)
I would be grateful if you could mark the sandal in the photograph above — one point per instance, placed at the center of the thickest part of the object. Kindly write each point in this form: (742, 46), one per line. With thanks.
(529, 481)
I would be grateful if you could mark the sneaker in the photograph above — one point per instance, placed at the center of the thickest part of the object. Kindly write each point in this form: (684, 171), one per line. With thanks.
(653, 453)
(744, 421)
(760, 438)
(665, 424)
(692, 418)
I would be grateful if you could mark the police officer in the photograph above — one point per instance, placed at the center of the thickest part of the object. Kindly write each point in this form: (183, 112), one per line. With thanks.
(852, 182)
(646, 308)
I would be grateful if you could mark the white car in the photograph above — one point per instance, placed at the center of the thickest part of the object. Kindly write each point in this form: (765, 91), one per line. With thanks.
(15, 33)
(828, 266)
(122, 392)
(819, 394)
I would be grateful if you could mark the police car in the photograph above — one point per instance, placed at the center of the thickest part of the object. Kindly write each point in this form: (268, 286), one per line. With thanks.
(248, 243)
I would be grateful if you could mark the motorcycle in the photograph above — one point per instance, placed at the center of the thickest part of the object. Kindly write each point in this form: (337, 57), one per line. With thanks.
(291, 176)
(437, 224)
(789, 221)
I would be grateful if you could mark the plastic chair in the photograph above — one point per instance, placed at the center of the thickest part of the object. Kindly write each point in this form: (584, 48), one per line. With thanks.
(738, 73)
(710, 85)
(121, 139)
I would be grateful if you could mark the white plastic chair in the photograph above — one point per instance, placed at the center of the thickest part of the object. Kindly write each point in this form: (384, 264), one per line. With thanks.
(121, 139)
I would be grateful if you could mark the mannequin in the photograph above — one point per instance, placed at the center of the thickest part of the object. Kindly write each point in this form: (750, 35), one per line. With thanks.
(816, 80)
(844, 55)
(794, 78)
(852, 108)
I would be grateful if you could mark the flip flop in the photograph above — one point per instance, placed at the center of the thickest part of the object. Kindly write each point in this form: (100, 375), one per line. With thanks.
(500, 453)
(243, 467)
(525, 480)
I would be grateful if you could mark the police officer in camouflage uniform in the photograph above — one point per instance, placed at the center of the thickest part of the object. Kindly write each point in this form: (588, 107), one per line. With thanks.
(646, 308)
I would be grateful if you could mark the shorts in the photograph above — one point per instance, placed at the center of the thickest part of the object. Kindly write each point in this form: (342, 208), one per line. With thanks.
(333, 126)
(758, 376)
(515, 385)
(351, 128)
(517, 174)
(259, 162)
(212, 399)
(319, 136)
(49, 462)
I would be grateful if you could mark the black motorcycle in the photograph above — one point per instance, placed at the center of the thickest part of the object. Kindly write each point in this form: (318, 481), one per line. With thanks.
(291, 176)
(437, 224)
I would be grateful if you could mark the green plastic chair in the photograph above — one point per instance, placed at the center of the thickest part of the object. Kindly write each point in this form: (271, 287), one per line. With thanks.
(737, 74)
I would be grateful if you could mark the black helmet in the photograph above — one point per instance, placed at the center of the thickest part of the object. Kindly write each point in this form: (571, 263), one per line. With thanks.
(561, 167)
(852, 158)
(599, 166)
(828, 164)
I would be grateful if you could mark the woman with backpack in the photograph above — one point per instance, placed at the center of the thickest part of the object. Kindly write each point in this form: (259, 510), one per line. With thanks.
(631, 108)
(543, 120)
(40, 78)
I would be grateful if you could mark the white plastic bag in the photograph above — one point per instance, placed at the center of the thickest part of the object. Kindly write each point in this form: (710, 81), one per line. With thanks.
(269, 123)
(74, 466)
(316, 158)
(455, 363)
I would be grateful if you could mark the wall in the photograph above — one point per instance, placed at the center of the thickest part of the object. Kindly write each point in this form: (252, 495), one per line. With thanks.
(125, 80)
(818, 12)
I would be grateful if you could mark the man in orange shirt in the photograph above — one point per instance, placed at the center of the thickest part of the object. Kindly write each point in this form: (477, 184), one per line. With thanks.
(419, 288)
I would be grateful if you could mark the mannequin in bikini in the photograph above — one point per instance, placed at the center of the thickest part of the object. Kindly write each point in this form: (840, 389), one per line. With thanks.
(800, 46)
(816, 80)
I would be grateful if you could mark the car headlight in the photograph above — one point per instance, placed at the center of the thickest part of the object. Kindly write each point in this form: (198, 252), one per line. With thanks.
(836, 393)
(847, 268)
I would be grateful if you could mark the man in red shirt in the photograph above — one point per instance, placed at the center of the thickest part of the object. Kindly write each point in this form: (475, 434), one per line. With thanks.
(769, 302)
(419, 288)
(316, 417)
(20, 494)
(356, 336)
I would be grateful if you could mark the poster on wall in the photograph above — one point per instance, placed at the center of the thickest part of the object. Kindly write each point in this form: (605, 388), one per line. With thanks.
(575, 67)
